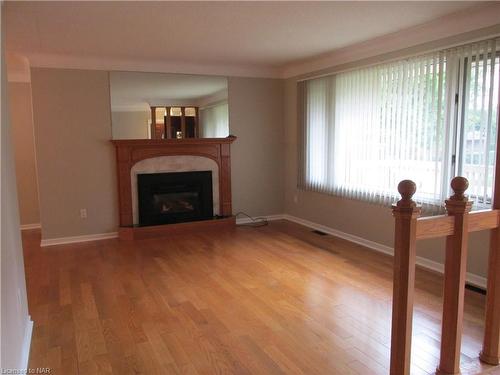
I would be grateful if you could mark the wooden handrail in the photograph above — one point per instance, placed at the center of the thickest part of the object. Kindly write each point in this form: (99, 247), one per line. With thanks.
(442, 225)
(455, 226)
(435, 226)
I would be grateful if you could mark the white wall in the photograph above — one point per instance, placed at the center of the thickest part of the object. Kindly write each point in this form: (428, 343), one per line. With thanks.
(15, 321)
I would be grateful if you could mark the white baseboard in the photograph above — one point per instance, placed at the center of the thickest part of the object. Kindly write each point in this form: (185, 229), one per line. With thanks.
(471, 278)
(246, 220)
(30, 226)
(25, 354)
(75, 239)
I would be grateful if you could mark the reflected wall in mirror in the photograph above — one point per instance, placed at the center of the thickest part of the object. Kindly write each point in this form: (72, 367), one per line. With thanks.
(160, 105)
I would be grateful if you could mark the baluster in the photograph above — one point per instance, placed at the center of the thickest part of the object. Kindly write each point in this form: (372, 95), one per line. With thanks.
(455, 269)
(405, 212)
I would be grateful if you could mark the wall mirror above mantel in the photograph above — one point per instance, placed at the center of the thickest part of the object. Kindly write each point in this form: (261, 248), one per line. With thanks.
(168, 106)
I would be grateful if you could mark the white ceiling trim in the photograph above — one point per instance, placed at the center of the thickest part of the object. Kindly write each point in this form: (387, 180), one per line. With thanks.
(173, 102)
(441, 28)
(144, 107)
(216, 97)
(130, 108)
(197, 102)
(111, 64)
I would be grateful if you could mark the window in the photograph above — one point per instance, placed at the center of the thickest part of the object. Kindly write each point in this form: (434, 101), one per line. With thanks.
(190, 111)
(176, 111)
(161, 112)
(174, 122)
(214, 120)
(477, 124)
(426, 118)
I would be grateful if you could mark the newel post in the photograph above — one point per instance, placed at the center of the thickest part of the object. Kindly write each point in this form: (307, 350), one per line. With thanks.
(405, 213)
(455, 268)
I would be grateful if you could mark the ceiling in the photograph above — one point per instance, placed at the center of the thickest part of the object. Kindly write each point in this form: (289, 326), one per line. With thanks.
(138, 90)
(241, 34)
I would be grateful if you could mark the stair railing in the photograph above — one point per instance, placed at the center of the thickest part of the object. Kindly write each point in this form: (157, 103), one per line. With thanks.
(455, 226)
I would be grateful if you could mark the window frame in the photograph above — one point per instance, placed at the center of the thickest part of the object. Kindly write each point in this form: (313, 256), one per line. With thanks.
(459, 128)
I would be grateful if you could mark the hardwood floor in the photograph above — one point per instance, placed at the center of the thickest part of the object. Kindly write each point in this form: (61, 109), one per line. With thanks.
(269, 300)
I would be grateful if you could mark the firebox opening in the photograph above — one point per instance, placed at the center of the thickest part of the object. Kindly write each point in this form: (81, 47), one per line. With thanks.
(166, 198)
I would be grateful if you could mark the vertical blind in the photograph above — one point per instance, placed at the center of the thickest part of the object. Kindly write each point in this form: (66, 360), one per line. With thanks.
(479, 100)
(214, 121)
(425, 118)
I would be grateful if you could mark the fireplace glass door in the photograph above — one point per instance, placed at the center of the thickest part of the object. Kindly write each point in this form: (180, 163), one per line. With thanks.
(166, 198)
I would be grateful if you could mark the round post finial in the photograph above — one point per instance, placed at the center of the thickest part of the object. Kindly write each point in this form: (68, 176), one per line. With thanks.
(459, 185)
(406, 188)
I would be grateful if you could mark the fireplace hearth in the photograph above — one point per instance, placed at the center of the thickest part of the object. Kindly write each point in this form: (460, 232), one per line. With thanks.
(177, 197)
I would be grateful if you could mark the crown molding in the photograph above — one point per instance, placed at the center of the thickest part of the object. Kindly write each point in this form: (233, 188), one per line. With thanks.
(216, 97)
(40, 60)
(129, 108)
(459, 23)
(166, 102)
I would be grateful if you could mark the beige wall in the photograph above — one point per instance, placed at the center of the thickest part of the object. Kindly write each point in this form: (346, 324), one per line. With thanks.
(75, 158)
(76, 162)
(369, 221)
(15, 321)
(72, 121)
(256, 118)
(24, 151)
(130, 124)
(73, 153)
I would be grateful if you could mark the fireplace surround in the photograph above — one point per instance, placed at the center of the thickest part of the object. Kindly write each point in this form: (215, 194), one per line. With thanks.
(130, 152)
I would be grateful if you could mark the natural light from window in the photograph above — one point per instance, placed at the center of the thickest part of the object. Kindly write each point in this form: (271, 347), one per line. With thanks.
(425, 118)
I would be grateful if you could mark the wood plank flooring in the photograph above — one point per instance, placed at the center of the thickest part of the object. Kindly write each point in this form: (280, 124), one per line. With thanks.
(271, 300)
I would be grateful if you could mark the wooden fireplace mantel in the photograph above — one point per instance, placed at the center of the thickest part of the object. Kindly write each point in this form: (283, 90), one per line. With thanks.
(131, 151)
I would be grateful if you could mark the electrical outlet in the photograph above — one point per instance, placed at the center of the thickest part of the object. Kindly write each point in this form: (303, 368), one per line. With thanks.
(83, 213)
(295, 198)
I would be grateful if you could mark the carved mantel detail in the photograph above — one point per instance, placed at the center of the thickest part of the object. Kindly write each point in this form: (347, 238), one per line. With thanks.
(129, 152)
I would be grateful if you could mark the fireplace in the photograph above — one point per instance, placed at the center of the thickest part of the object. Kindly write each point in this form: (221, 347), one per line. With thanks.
(130, 152)
(167, 198)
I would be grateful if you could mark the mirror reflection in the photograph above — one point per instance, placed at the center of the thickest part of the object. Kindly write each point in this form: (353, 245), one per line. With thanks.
(168, 106)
